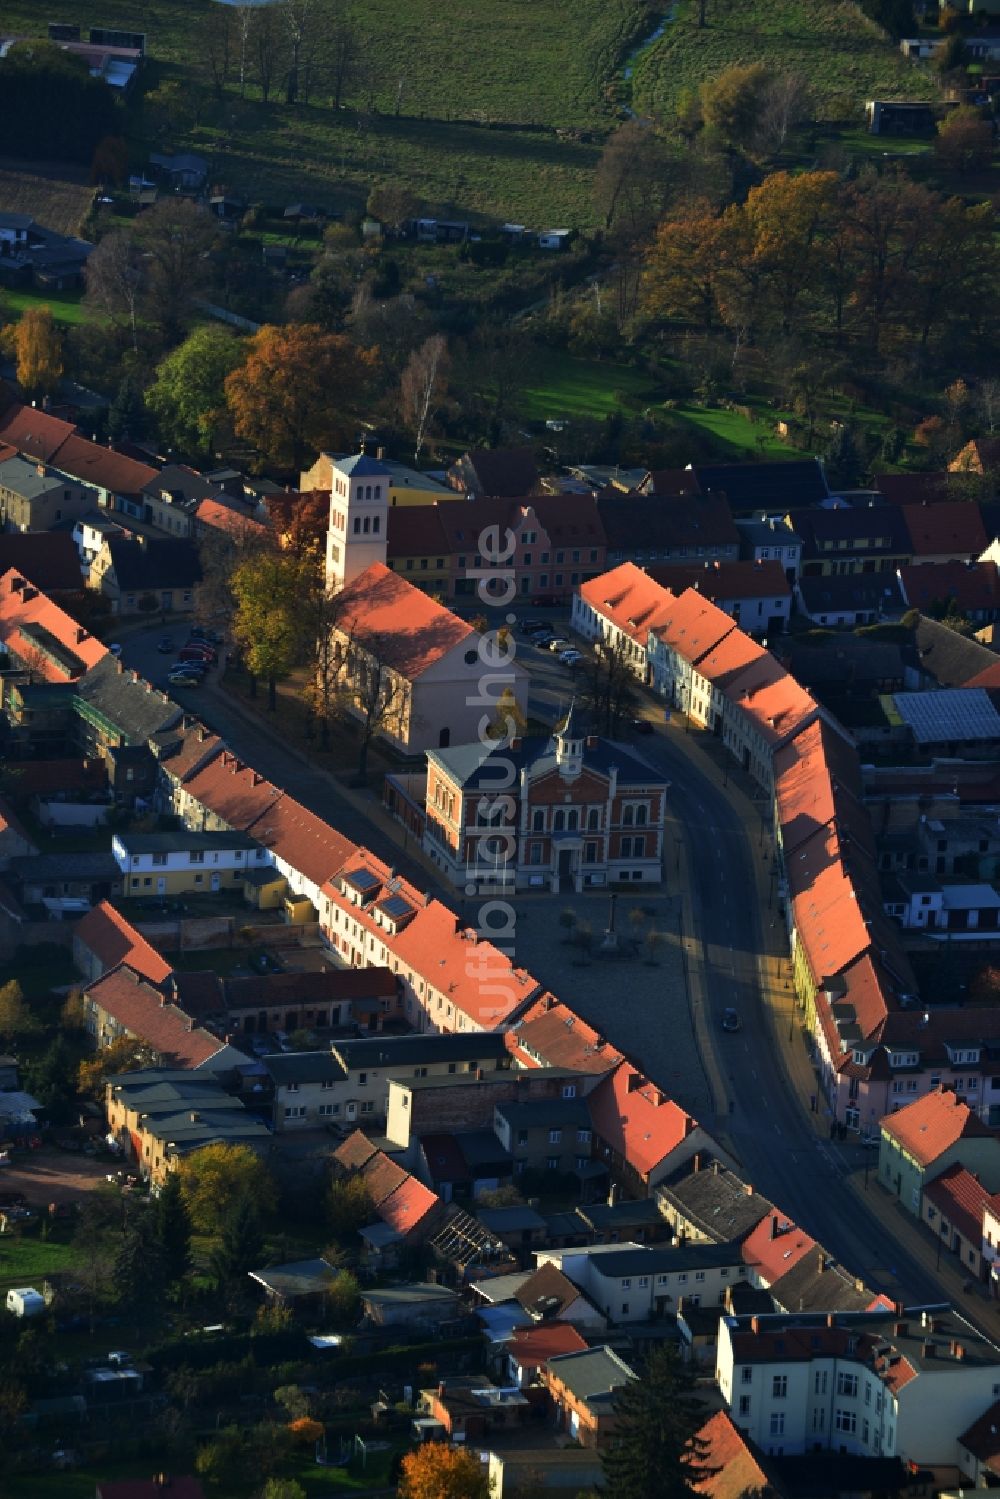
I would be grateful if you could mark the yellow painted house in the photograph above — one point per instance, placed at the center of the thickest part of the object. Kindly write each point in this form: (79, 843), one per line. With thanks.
(404, 485)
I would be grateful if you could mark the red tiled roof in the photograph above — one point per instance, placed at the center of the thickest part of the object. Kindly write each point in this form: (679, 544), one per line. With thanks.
(629, 598)
(774, 1246)
(929, 1126)
(961, 1197)
(198, 746)
(550, 1034)
(382, 1176)
(19, 612)
(301, 839)
(725, 661)
(33, 432)
(548, 1291)
(983, 1439)
(353, 1152)
(383, 612)
(970, 588)
(227, 518)
(772, 699)
(92, 464)
(730, 1460)
(952, 526)
(639, 1122)
(692, 625)
(141, 1009)
(532, 1346)
(914, 489)
(113, 940)
(409, 1206)
(724, 580)
(232, 790)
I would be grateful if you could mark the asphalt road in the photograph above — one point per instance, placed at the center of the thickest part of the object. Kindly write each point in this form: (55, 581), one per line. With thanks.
(778, 1149)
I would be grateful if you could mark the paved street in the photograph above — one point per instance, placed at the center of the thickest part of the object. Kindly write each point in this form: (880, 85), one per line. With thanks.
(753, 1087)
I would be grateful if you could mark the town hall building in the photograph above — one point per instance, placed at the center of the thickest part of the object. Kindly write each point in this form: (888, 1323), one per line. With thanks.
(567, 812)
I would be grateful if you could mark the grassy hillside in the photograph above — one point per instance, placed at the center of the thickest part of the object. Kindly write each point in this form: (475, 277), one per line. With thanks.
(844, 56)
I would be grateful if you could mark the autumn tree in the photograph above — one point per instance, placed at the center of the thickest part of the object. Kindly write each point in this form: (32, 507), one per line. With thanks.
(126, 1054)
(16, 1020)
(731, 103)
(656, 1452)
(298, 390)
(109, 165)
(349, 1207)
(173, 238)
(188, 396)
(323, 691)
(113, 279)
(423, 388)
(217, 1177)
(38, 349)
(268, 624)
(788, 216)
(684, 265)
(964, 143)
(438, 1471)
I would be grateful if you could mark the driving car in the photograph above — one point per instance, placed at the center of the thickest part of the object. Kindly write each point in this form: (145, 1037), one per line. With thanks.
(570, 657)
(165, 644)
(641, 726)
(730, 1020)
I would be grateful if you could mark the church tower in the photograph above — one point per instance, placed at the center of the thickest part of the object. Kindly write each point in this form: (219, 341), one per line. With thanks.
(359, 513)
(569, 739)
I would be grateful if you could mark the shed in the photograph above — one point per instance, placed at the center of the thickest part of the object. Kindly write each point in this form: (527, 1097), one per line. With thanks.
(296, 1281)
(554, 239)
(416, 1301)
(25, 1301)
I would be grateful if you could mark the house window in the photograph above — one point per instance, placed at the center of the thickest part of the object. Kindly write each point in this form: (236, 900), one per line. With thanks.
(295, 1111)
(779, 1386)
(325, 1110)
(569, 1091)
(845, 1420)
(196, 857)
(847, 1384)
(552, 1163)
(746, 1374)
(292, 1087)
(777, 1423)
(538, 822)
(744, 1405)
(555, 1136)
(865, 1432)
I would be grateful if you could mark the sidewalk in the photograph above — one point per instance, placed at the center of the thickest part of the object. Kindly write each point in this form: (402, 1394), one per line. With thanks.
(774, 978)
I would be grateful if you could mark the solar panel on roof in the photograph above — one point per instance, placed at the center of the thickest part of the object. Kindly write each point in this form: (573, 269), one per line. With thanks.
(396, 906)
(362, 879)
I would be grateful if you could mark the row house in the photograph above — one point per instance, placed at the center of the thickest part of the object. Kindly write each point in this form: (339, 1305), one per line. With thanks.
(882, 1383)
(668, 528)
(548, 1033)
(954, 1207)
(570, 811)
(112, 480)
(769, 538)
(764, 488)
(642, 1134)
(34, 497)
(451, 977)
(617, 611)
(921, 1139)
(123, 1003)
(103, 938)
(845, 541)
(755, 594)
(173, 863)
(161, 1115)
(969, 588)
(328, 999)
(643, 1283)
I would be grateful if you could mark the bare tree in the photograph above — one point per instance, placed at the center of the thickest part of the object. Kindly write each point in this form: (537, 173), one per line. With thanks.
(988, 402)
(347, 57)
(266, 48)
(370, 690)
(174, 237)
(322, 692)
(609, 685)
(628, 181)
(423, 387)
(216, 40)
(786, 103)
(113, 278)
(243, 16)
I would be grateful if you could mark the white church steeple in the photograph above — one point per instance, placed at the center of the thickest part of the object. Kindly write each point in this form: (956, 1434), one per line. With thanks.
(359, 513)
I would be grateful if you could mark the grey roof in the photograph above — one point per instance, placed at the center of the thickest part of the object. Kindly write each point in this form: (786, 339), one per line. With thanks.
(22, 477)
(183, 483)
(603, 1215)
(509, 1220)
(948, 657)
(154, 565)
(15, 220)
(480, 1147)
(402, 1051)
(592, 1376)
(717, 1203)
(965, 713)
(663, 1259)
(867, 592)
(137, 711)
(297, 1278)
(760, 532)
(304, 1067)
(189, 1130)
(537, 1113)
(360, 466)
(414, 1292)
(818, 1284)
(82, 866)
(467, 764)
(746, 485)
(182, 841)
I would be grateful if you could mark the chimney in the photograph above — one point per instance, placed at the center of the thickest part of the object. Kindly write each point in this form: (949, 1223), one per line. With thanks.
(81, 634)
(40, 470)
(958, 1349)
(690, 1125)
(696, 1163)
(479, 1074)
(441, 1390)
(821, 1264)
(515, 743)
(380, 453)
(747, 1186)
(755, 1324)
(120, 666)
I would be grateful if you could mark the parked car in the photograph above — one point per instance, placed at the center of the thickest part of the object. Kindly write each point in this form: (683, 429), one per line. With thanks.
(541, 641)
(641, 726)
(195, 668)
(199, 633)
(543, 601)
(731, 1020)
(532, 626)
(558, 644)
(184, 679)
(196, 650)
(165, 644)
(570, 657)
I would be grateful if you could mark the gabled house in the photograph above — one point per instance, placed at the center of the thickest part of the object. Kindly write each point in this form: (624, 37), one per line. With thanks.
(954, 1207)
(950, 531)
(103, 939)
(582, 1388)
(122, 1002)
(130, 573)
(641, 1134)
(920, 1140)
(711, 1205)
(497, 473)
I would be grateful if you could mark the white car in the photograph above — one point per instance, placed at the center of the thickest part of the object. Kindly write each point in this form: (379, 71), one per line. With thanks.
(559, 645)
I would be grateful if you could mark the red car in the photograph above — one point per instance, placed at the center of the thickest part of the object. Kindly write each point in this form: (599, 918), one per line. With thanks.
(197, 653)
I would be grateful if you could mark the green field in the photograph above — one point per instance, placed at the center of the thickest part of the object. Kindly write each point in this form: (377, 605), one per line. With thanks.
(844, 57)
(560, 386)
(26, 1262)
(67, 306)
(734, 433)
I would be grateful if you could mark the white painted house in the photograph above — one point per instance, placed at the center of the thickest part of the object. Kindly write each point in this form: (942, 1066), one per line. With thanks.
(172, 863)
